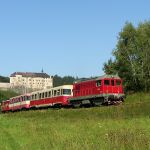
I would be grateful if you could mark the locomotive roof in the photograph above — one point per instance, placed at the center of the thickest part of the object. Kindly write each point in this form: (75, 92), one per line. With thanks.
(108, 76)
(97, 78)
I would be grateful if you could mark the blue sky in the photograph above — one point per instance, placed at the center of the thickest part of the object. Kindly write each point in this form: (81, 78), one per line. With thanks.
(64, 37)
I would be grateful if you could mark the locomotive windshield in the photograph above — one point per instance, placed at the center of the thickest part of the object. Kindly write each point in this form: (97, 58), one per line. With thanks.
(106, 82)
(118, 82)
(66, 91)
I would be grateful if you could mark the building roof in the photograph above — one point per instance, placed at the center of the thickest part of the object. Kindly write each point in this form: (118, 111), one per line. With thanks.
(30, 74)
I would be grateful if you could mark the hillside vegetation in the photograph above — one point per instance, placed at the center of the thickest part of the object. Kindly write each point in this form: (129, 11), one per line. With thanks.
(4, 95)
(115, 127)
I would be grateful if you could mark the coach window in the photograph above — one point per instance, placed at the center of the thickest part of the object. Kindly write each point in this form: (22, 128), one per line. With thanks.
(42, 95)
(58, 92)
(28, 97)
(35, 96)
(66, 91)
(106, 82)
(98, 83)
(45, 94)
(55, 92)
(49, 94)
(32, 96)
(25, 98)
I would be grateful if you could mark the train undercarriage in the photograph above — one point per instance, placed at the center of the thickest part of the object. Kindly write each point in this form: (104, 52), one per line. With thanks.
(97, 100)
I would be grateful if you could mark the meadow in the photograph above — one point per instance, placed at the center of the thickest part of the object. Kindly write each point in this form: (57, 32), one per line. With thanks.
(123, 127)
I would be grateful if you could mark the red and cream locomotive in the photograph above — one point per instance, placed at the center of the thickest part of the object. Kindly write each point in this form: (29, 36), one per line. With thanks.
(106, 89)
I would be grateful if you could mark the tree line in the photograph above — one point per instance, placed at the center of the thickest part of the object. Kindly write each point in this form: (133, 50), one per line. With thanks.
(131, 57)
(4, 79)
(58, 80)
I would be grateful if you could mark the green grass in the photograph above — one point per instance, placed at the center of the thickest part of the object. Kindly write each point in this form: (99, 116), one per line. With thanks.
(138, 97)
(122, 127)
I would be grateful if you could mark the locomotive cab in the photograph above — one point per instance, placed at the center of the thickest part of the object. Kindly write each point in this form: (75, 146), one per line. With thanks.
(112, 89)
(112, 85)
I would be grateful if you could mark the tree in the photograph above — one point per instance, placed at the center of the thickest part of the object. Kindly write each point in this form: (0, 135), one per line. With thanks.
(132, 57)
(57, 80)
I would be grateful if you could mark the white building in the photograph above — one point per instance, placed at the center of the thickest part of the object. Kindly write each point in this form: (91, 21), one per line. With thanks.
(30, 80)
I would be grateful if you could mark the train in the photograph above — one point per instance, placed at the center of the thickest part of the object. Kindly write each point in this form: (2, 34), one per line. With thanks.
(102, 90)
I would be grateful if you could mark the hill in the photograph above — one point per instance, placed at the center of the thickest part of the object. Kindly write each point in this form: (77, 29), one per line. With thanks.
(115, 127)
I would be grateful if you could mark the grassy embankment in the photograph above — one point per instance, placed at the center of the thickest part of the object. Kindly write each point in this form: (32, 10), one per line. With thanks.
(116, 127)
